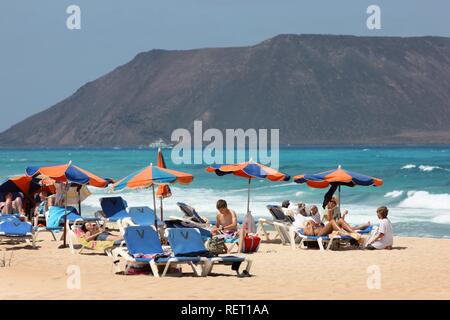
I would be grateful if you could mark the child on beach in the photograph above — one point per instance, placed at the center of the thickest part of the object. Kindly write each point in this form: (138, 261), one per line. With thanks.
(226, 220)
(384, 238)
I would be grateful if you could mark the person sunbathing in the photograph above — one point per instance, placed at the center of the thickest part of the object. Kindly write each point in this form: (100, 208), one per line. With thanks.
(93, 231)
(226, 220)
(333, 213)
(12, 205)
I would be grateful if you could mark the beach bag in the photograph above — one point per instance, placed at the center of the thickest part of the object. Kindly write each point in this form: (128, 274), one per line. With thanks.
(250, 244)
(216, 245)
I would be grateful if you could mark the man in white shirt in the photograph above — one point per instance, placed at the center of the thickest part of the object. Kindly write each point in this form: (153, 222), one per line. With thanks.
(384, 238)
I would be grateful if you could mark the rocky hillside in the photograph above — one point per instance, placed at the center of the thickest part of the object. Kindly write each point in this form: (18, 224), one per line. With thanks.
(317, 89)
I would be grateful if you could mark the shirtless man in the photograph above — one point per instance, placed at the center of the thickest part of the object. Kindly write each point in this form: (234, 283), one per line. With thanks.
(226, 220)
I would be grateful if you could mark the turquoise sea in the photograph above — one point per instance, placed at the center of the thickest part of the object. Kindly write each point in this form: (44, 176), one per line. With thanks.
(416, 182)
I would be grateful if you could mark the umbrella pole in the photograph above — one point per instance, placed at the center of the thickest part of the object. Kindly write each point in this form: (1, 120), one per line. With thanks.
(65, 219)
(339, 200)
(154, 205)
(248, 195)
(161, 207)
(79, 201)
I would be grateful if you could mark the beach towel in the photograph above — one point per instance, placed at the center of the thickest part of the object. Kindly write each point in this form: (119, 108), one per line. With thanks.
(56, 215)
(249, 223)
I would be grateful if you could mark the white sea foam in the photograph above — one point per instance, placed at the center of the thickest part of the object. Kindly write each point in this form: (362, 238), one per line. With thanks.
(424, 167)
(428, 168)
(443, 219)
(418, 206)
(394, 194)
(426, 200)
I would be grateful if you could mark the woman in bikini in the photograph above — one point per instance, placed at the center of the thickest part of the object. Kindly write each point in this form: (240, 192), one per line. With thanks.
(93, 232)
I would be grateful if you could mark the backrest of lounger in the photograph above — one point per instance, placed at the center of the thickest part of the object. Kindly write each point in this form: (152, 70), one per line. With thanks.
(112, 205)
(185, 241)
(190, 212)
(143, 216)
(142, 240)
(15, 228)
(205, 233)
(277, 212)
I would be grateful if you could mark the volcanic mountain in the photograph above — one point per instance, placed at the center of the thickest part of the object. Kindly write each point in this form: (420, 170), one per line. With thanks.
(317, 89)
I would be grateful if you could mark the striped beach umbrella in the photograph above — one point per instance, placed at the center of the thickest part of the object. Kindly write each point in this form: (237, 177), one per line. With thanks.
(249, 170)
(67, 174)
(25, 184)
(337, 178)
(149, 176)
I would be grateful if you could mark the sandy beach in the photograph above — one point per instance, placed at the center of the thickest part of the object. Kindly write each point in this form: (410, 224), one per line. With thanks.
(417, 268)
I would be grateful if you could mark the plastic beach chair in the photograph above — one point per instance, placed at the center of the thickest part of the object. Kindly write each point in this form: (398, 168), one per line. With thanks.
(280, 222)
(188, 241)
(114, 208)
(15, 230)
(191, 218)
(142, 216)
(76, 235)
(144, 246)
(54, 219)
(321, 240)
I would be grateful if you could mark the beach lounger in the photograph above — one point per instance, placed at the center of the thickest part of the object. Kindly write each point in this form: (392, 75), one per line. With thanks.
(191, 218)
(188, 241)
(16, 230)
(143, 216)
(113, 209)
(324, 242)
(54, 219)
(176, 223)
(75, 235)
(144, 246)
(280, 222)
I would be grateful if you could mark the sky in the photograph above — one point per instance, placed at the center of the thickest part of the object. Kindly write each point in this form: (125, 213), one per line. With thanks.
(42, 61)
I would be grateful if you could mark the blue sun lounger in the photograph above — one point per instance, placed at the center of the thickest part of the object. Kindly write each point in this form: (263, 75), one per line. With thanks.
(142, 216)
(114, 208)
(15, 230)
(321, 240)
(144, 246)
(188, 241)
(55, 219)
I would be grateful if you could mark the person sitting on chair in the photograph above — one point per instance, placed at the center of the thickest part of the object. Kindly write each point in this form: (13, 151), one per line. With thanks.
(226, 220)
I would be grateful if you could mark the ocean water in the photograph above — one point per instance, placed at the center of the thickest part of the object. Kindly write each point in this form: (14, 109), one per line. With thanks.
(416, 182)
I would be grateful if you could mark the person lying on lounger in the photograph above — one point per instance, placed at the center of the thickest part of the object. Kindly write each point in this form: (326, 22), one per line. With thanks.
(333, 213)
(384, 238)
(12, 205)
(226, 220)
(92, 231)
